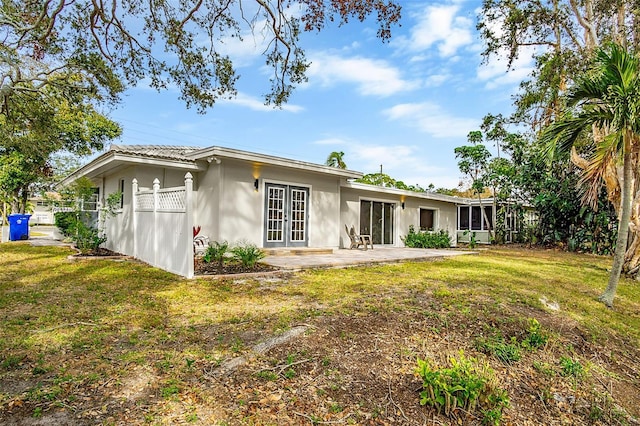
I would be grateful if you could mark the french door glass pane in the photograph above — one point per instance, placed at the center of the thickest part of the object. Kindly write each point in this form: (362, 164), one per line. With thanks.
(275, 214)
(298, 213)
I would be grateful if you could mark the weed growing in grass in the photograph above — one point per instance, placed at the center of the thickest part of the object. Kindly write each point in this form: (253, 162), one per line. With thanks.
(535, 337)
(499, 400)
(171, 388)
(11, 362)
(544, 368)
(506, 352)
(571, 368)
(509, 351)
(267, 375)
(37, 413)
(190, 363)
(335, 408)
(466, 385)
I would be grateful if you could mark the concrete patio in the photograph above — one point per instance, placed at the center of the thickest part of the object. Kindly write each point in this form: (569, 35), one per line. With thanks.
(343, 257)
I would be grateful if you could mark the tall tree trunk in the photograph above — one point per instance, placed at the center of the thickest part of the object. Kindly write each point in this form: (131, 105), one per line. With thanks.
(623, 229)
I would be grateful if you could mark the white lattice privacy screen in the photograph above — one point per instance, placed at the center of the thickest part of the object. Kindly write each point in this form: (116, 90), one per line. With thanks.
(144, 201)
(171, 199)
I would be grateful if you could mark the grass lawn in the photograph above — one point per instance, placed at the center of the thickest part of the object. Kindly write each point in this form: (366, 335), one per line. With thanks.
(112, 342)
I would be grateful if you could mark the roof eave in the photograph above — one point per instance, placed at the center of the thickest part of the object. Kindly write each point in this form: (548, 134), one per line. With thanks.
(406, 193)
(112, 158)
(221, 152)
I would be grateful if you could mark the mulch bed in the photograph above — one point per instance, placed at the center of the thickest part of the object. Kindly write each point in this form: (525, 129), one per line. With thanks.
(229, 268)
(100, 252)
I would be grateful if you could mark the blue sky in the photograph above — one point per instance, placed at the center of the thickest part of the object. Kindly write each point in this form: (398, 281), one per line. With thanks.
(405, 104)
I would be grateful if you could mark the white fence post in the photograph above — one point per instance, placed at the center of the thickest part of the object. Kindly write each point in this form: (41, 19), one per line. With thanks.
(156, 188)
(134, 215)
(188, 204)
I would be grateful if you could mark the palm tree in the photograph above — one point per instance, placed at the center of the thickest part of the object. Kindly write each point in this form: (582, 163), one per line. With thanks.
(605, 101)
(335, 160)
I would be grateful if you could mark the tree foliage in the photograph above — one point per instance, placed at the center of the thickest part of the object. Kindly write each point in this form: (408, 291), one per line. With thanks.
(608, 98)
(561, 35)
(336, 159)
(91, 46)
(39, 128)
(383, 179)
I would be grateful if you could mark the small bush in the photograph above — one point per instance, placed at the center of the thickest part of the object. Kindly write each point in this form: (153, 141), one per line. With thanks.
(571, 368)
(66, 222)
(216, 252)
(248, 254)
(424, 239)
(535, 337)
(87, 238)
(466, 385)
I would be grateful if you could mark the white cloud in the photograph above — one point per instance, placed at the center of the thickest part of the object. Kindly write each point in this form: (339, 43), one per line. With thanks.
(256, 104)
(431, 119)
(436, 80)
(372, 76)
(330, 141)
(439, 26)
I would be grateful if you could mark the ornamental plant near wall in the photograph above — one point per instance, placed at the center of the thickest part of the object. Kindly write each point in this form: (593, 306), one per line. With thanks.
(426, 239)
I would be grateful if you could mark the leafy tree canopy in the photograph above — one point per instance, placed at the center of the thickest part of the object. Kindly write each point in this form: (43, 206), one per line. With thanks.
(37, 129)
(91, 46)
(383, 179)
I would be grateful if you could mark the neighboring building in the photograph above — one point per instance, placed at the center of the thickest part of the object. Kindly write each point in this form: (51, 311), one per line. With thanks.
(44, 209)
(237, 196)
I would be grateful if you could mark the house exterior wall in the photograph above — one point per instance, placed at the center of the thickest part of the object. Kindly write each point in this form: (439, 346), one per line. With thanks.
(445, 216)
(230, 209)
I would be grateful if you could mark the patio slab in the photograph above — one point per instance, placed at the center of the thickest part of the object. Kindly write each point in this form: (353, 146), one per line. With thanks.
(344, 257)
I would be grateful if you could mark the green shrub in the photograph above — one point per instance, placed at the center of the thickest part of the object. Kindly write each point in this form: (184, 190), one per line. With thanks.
(467, 385)
(66, 222)
(87, 238)
(425, 239)
(216, 252)
(248, 254)
(74, 225)
(535, 337)
(571, 368)
(473, 242)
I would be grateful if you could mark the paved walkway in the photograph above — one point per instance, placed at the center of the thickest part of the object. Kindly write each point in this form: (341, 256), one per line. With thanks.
(45, 236)
(344, 257)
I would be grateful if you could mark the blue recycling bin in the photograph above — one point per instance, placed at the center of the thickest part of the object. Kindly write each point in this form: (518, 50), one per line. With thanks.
(19, 227)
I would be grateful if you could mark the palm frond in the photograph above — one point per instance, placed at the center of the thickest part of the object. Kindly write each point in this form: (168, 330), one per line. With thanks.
(606, 155)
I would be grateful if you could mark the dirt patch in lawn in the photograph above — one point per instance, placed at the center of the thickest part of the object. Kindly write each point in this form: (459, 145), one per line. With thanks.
(352, 367)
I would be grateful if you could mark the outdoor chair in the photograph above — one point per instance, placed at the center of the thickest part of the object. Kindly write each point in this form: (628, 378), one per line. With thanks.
(200, 244)
(358, 240)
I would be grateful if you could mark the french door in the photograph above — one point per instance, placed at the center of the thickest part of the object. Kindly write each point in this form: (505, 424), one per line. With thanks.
(286, 216)
(376, 220)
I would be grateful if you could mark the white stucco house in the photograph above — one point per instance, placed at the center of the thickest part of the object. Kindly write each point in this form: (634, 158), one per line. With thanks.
(236, 195)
